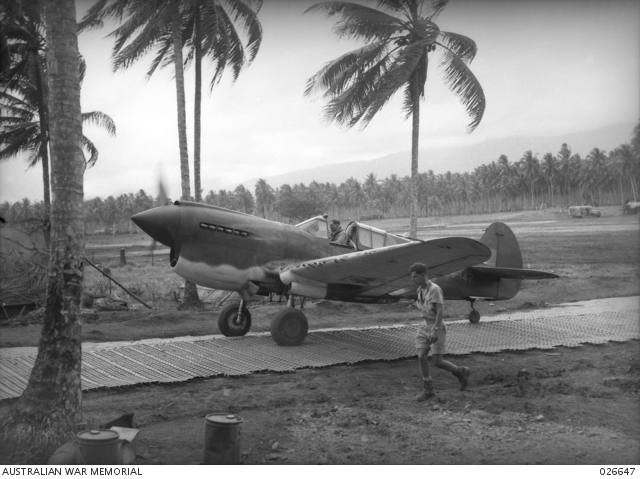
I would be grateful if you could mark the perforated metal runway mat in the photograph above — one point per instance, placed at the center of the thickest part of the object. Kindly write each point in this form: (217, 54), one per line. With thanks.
(181, 359)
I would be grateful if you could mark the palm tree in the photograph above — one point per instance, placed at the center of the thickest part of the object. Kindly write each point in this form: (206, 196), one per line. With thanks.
(152, 24)
(211, 28)
(627, 165)
(372, 192)
(243, 199)
(530, 171)
(549, 171)
(399, 38)
(23, 101)
(564, 160)
(22, 28)
(265, 196)
(43, 416)
(355, 194)
(596, 172)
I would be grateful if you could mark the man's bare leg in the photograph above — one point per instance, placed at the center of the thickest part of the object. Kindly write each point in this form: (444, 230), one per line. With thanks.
(428, 390)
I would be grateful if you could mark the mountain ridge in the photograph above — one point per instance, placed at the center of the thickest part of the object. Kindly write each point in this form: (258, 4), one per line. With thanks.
(457, 159)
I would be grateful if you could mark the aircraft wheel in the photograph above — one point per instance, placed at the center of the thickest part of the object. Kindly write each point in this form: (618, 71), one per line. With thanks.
(230, 323)
(474, 316)
(289, 327)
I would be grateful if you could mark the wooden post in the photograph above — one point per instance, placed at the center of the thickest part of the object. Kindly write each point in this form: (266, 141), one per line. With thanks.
(123, 260)
(125, 289)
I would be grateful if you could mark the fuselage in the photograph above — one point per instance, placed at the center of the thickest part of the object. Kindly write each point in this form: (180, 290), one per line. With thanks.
(223, 249)
(227, 250)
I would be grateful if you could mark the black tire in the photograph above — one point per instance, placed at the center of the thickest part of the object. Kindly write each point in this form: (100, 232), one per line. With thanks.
(289, 327)
(230, 324)
(474, 316)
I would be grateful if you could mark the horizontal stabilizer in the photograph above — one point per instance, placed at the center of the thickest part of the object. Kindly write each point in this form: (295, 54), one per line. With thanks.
(513, 273)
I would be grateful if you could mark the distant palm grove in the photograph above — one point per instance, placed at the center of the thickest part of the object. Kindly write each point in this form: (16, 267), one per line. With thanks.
(558, 181)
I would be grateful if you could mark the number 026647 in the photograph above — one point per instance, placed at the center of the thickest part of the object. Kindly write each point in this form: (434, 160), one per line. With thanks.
(617, 471)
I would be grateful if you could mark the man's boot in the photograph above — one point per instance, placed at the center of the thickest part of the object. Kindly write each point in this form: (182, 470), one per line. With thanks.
(427, 393)
(463, 376)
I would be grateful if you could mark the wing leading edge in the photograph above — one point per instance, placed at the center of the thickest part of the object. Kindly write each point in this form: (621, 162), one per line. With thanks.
(379, 272)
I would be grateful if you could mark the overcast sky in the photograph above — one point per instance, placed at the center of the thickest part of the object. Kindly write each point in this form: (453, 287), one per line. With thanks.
(547, 67)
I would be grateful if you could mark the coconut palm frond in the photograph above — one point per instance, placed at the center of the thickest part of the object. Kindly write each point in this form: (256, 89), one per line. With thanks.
(461, 46)
(436, 8)
(234, 55)
(16, 106)
(350, 105)
(353, 90)
(407, 65)
(336, 74)
(163, 57)
(5, 54)
(100, 119)
(145, 41)
(246, 17)
(16, 144)
(466, 86)
(93, 17)
(359, 22)
(146, 24)
(88, 145)
(33, 154)
(82, 68)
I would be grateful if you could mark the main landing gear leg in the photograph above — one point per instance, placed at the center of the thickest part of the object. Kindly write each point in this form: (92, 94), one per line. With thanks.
(289, 326)
(474, 316)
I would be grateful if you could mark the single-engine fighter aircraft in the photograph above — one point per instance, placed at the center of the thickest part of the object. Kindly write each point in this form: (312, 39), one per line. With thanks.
(222, 249)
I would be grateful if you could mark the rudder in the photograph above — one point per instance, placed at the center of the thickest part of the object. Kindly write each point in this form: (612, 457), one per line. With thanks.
(505, 250)
(505, 253)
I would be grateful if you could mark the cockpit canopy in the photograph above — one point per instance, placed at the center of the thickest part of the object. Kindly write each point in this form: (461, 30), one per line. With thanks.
(361, 236)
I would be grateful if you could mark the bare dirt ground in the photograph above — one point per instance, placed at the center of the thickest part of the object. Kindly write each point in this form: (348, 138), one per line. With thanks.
(573, 406)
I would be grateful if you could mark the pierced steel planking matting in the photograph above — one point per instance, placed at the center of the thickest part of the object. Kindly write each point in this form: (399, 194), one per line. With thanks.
(181, 359)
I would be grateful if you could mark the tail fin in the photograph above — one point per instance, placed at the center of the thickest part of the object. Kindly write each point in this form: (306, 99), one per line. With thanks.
(505, 263)
(505, 250)
(505, 253)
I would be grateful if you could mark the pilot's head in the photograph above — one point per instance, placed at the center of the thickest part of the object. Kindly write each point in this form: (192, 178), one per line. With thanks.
(335, 224)
(419, 273)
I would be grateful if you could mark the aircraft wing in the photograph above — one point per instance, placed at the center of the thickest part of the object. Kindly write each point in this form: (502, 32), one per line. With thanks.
(377, 272)
(514, 273)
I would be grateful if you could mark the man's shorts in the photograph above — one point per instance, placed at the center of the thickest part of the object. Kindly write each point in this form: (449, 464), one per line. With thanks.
(423, 339)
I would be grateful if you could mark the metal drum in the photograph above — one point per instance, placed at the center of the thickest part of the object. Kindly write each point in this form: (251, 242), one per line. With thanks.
(99, 446)
(222, 439)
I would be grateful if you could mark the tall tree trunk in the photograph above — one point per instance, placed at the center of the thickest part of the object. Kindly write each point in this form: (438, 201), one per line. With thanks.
(44, 416)
(190, 299)
(181, 104)
(197, 108)
(415, 134)
(44, 147)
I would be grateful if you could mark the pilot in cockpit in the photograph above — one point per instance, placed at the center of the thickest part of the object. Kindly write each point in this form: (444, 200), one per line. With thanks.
(337, 235)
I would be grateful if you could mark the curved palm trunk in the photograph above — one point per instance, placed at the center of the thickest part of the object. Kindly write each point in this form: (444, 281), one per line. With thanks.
(44, 416)
(191, 299)
(415, 132)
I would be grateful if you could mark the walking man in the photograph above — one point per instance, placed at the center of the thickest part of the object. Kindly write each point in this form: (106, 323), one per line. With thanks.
(432, 333)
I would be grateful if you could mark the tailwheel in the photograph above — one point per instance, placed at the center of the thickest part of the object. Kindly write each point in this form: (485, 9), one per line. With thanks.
(234, 320)
(289, 327)
(474, 316)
